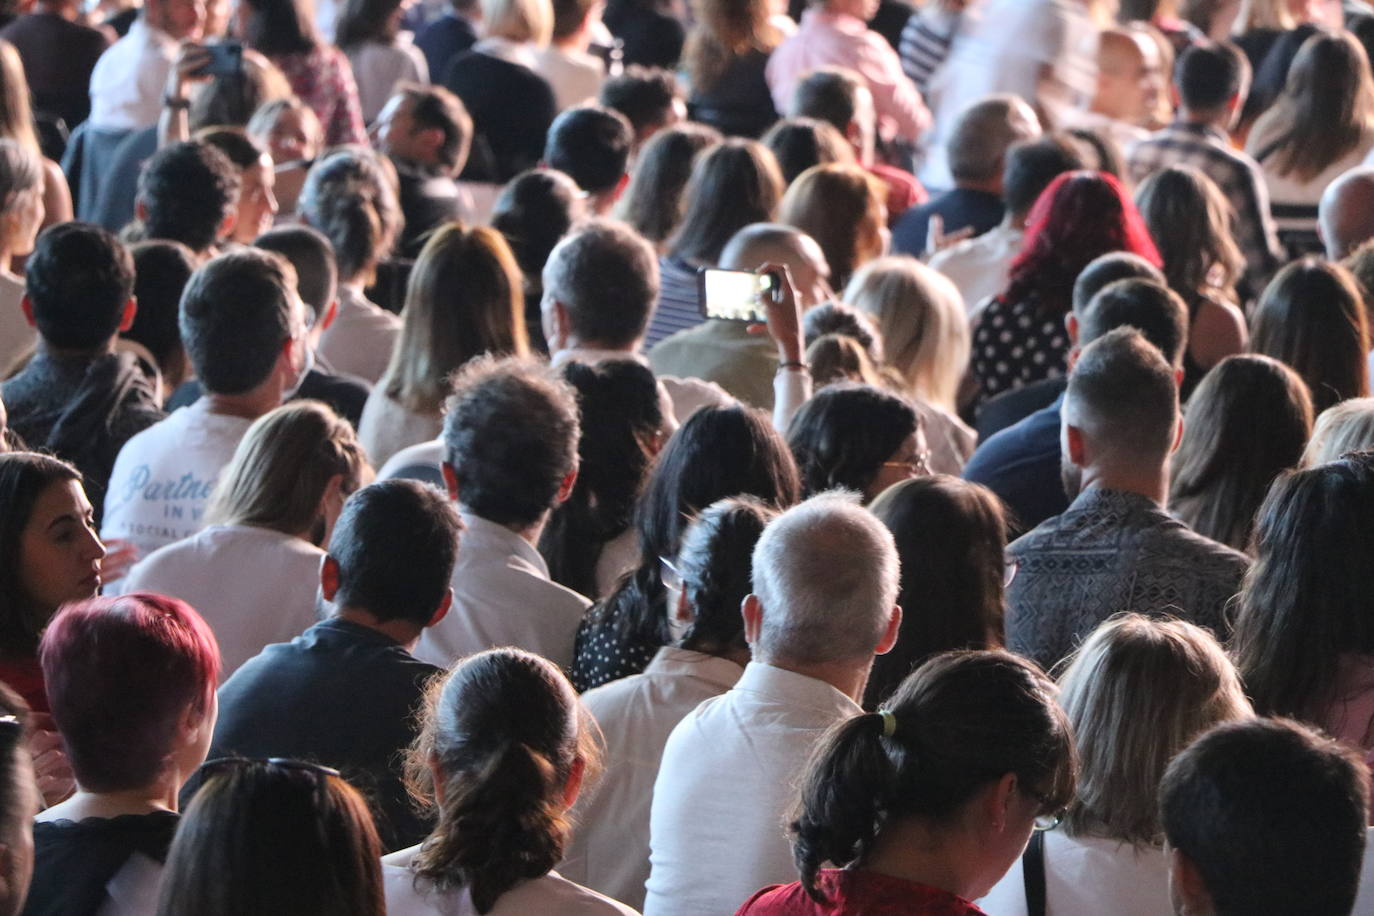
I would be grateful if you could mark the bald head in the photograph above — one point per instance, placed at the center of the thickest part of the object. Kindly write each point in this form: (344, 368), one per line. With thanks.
(773, 243)
(978, 145)
(1130, 76)
(1346, 215)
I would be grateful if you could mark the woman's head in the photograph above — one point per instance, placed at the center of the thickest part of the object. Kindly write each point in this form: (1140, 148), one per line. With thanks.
(289, 130)
(49, 550)
(19, 802)
(971, 744)
(230, 99)
(1247, 422)
(274, 836)
(464, 298)
(368, 20)
(800, 143)
(257, 204)
(920, 316)
(352, 200)
(743, 172)
(1190, 220)
(518, 20)
(1137, 692)
(842, 207)
(21, 196)
(723, 31)
(856, 437)
(1312, 317)
(1080, 216)
(715, 569)
(291, 473)
(1326, 110)
(131, 681)
(950, 536)
(276, 27)
(536, 209)
(653, 203)
(502, 752)
(1346, 427)
(16, 114)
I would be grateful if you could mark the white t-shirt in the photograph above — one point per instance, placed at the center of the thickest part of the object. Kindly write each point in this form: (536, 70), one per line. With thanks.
(1088, 876)
(574, 76)
(386, 427)
(17, 336)
(377, 68)
(359, 341)
(130, 77)
(253, 586)
(979, 266)
(551, 895)
(163, 477)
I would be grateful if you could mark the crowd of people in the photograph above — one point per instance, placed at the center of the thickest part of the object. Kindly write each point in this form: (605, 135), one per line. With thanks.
(395, 519)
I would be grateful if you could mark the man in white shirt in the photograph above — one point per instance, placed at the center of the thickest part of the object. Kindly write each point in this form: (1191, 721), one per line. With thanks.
(510, 456)
(825, 587)
(244, 330)
(128, 80)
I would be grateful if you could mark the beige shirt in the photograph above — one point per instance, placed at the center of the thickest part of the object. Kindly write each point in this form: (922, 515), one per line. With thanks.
(359, 341)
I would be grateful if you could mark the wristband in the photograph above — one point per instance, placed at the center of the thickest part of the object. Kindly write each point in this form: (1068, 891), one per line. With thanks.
(794, 364)
(176, 104)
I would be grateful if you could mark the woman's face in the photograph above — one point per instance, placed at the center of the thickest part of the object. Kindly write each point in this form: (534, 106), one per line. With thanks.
(290, 140)
(59, 550)
(257, 202)
(912, 459)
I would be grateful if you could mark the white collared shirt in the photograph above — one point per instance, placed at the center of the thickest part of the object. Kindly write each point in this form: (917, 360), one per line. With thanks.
(979, 266)
(1085, 876)
(130, 77)
(359, 341)
(609, 851)
(727, 779)
(502, 596)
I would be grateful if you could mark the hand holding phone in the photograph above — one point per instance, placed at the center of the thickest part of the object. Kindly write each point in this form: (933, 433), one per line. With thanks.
(736, 295)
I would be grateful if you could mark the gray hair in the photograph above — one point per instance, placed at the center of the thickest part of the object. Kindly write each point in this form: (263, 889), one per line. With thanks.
(978, 145)
(1344, 427)
(606, 276)
(826, 575)
(748, 248)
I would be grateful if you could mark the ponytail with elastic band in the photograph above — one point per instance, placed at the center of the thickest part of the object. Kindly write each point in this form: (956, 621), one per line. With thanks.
(889, 720)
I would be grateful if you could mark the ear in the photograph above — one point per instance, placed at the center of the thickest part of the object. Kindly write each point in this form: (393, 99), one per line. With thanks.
(436, 776)
(683, 613)
(998, 801)
(1077, 449)
(333, 490)
(565, 488)
(226, 227)
(26, 305)
(329, 577)
(1071, 325)
(1178, 435)
(450, 480)
(894, 627)
(752, 611)
(442, 610)
(854, 133)
(574, 784)
(126, 320)
(1186, 885)
(562, 324)
(140, 210)
(620, 186)
(331, 311)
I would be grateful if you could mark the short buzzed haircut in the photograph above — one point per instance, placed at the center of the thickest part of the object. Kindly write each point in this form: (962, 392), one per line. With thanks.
(1272, 815)
(79, 279)
(829, 94)
(1107, 269)
(187, 190)
(644, 95)
(317, 277)
(826, 575)
(1153, 309)
(510, 435)
(1208, 75)
(395, 542)
(1123, 396)
(977, 147)
(591, 145)
(606, 276)
(1032, 165)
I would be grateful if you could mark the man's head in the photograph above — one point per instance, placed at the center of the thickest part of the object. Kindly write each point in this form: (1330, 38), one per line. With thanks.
(1148, 306)
(1264, 816)
(79, 287)
(426, 125)
(188, 192)
(392, 552)
(243, 324)
(842, 99)
(183, 20)
(317, 278)
(1031, 166)
(257, 202)
(573, 21)
(592, 145)
(773, 243)
(600, 286)
(648, 97)
(825, 576)
(982, 135)
(1211, 82)
(510, 438)
(1346, 215)
(1130, 75)
(1107, 269)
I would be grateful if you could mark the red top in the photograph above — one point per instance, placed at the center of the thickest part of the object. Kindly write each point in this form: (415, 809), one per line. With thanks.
(25, 677)
(857, 892)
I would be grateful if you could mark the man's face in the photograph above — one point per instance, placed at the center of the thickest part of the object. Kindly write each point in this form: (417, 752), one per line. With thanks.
(184, 20)
(1132, 81)
(395, 132)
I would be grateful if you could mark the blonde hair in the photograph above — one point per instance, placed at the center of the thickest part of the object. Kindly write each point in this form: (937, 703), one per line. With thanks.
(920, 315)
(282, 467)
(841, 207)
(1128, 728)
(519, 20)
(1264, 14)
(16, 114)
(1344, 427)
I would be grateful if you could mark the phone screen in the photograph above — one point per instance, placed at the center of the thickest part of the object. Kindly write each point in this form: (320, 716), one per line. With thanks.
(733, 294)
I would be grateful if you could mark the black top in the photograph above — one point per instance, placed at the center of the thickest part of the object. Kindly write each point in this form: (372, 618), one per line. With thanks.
(340, 694)
(428, 200)
(58, 59)
(739, 104)
(74, 860)
(959, 208)
(443, 40)
(601, 654)
(511, 108)
(650, 38)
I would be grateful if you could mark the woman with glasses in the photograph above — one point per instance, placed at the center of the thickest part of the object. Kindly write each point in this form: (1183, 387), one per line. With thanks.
(922, 806)
(1137, 692)
(857, 437)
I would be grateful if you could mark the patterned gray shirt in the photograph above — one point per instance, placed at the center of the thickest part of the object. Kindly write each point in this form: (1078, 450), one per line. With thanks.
(1113, 551)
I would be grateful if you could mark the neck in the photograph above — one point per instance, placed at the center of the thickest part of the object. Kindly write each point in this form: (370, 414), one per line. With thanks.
(913, 850)
(846, 676)
(1016, 220)
(250, 405)
(402, 631)
(1220, 118)
(574, 342)
(575, 42)
(1152, 483)
(986, 185)
(75, 354)
(160, 796)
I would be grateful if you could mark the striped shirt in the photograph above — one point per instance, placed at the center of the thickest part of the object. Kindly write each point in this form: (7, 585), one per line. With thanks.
(679, 300)
(926, 41)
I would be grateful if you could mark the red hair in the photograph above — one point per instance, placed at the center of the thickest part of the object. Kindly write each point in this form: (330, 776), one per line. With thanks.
(1079, 217)
(121, 673)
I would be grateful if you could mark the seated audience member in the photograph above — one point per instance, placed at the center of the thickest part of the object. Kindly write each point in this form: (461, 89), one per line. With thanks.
(343, 692)
(510, 456)
(127, 81)
(1116, 547)
(290, 132)
(188, 192)
(1020, 337)
(750, 367)
(19, 122)
(977, 151)
(348, 197)
(823, 604)
(1131, 85)
(591, 145)
(243, 327)
(900, 803)
(841, 207)
(272, 510)
(1347, 427)
(51, 556)
(573, 74)
(1211, 82)
(21, 203)
(724, 63)
(654, 200)
(161, 272)
(649, 100)
(132, 686)
(462, 300)
(800, 143)
(859, 438)
(77, 398)
(426, 133)
(589, 542)
(1264, 816)
(59, 50)
(652, 32)
(379, 54)
(20, 801)
(1021, 463)
(534, 211)
(1108, 855)
(610, 851)
(979, 266)
(257, 204)
(950, 535)
(274, 835)
(743, 172)
(503, 752)
(452, 33)
(1345, 217)
(1187, 216)
(1247, 423)
(1312, 317)
(1301, 644)
(719, 453)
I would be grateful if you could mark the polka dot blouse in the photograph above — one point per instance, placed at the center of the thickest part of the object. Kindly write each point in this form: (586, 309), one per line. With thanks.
(1015, 345)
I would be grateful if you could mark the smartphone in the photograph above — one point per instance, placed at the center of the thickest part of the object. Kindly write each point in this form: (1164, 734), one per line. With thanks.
(226, 59)
(734, 294)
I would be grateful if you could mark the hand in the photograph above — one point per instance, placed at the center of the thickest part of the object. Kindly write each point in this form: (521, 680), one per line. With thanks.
(51, 768)
(937, 241)
(784, 315)
(120, 557)
(190, 61)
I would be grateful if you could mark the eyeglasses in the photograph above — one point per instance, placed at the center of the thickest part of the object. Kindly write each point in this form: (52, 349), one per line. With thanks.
(285, 763)
(917, 467)
(1045, 821)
